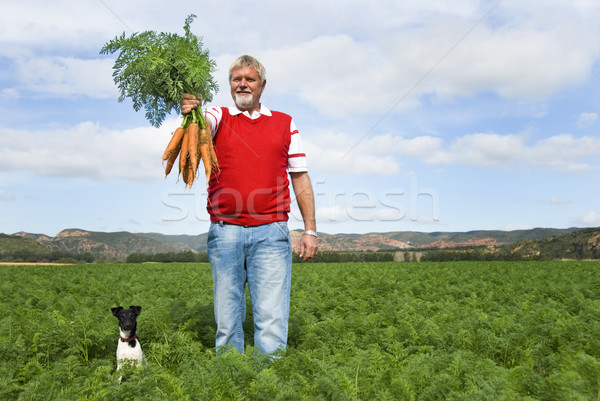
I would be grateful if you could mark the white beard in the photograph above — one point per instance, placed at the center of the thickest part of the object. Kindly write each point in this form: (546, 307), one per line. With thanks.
(243, 101)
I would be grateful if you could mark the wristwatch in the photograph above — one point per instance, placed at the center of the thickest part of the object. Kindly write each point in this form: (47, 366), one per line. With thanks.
(310, 232)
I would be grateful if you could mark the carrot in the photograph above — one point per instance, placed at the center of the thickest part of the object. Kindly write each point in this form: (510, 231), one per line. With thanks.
(172, 158)
(183, 155)
(211, 147)
(187, 174)
(191, 143)
(173, 143)
(205, 139)
(184, 175)
(191, 176)
(192, 138)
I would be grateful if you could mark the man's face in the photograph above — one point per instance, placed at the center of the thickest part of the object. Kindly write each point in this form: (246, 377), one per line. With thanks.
(246, 88)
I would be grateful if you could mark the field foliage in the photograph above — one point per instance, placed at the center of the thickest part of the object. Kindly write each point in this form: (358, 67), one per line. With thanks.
(358, 331)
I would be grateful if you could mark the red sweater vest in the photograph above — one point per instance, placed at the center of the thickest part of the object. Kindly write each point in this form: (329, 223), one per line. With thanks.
(252, 186)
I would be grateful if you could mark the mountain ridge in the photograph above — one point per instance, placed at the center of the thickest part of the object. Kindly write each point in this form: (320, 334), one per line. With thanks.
(118, 245)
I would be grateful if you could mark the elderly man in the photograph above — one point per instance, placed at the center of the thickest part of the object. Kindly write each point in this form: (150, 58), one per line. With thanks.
(248, 202)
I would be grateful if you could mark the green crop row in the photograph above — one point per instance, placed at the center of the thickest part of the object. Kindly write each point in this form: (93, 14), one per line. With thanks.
(358, 331)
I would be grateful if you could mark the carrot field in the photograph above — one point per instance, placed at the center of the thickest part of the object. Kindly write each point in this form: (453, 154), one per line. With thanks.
(358, 331)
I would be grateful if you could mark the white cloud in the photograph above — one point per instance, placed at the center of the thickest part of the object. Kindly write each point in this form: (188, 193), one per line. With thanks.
(591, 218)
(9, 93)
(86, 150)
(556, 201)
(335, 74)
(357, 208)
(564, 153)
(587, 120)
(331, 214)
(518, 62)
(520, 50)
(332, 152)
(486, 150)
(561, 152)
(380, 154)
(36, 23)
(65, 76)
(335, 64)
(520, 58)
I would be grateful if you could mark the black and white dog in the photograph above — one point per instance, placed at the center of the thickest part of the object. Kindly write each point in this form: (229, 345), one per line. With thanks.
(129, 349)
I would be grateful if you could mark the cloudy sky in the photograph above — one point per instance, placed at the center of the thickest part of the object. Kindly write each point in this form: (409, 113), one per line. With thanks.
(425, 116)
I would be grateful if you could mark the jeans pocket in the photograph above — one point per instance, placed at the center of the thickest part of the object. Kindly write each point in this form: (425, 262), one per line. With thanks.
(211, 230)
(283, 229)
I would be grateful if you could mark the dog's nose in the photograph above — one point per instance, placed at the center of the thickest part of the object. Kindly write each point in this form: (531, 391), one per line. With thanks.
(128, 325)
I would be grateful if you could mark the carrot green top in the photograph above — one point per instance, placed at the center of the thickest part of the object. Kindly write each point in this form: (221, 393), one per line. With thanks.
(155, 69)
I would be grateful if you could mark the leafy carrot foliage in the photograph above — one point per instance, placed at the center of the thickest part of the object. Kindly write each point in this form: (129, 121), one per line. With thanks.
(155, 69)
(358, 331)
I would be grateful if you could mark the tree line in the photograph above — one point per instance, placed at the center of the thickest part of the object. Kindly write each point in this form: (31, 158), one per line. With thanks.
(168, 257)
(33, 256)
(322, 257)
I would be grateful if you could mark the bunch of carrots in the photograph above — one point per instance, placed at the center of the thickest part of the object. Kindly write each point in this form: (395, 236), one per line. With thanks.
(191, 142)
(154, 69)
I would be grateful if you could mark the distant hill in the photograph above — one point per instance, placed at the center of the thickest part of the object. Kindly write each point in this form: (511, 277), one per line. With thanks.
(16, 244)
(116, 246)
(581, 244)
(196, 243)
(474, 238)
(102, 245)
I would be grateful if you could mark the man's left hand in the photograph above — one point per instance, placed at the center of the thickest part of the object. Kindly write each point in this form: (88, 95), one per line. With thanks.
(309, 246)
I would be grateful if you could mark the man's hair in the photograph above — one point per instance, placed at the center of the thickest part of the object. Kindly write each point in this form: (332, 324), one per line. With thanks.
(249, 61)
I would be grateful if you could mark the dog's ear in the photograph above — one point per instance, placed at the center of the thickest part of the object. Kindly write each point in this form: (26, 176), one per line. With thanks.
(115, 311)
(136, 309)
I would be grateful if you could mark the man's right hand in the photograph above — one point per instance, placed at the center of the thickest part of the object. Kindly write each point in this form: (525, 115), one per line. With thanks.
(189, 103)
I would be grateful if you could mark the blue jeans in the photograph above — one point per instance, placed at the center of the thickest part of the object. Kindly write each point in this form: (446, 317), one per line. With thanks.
(262, 257)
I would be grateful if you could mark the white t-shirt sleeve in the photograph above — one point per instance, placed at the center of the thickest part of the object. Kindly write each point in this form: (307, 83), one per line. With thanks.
(213, 116)
(296, 157)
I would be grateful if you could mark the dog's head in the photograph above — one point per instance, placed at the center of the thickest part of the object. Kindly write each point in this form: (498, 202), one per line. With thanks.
(127, 317)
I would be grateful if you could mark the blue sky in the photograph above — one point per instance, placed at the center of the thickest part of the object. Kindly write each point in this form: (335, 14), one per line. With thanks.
(444, 116)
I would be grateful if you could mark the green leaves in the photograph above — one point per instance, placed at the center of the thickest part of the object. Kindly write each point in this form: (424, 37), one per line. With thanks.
(358, 331)
(155, 69)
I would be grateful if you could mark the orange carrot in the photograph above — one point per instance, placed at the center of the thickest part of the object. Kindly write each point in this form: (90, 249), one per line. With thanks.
(192, 138)
(187, 174)
(211, 147)
(172, 158)
(183, 155)
(183, 172)
(190, 176)
(191, 144)
(173, 143)
(205, 139)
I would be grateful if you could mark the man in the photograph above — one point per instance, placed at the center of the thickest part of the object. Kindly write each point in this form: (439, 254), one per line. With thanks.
(248, 202)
